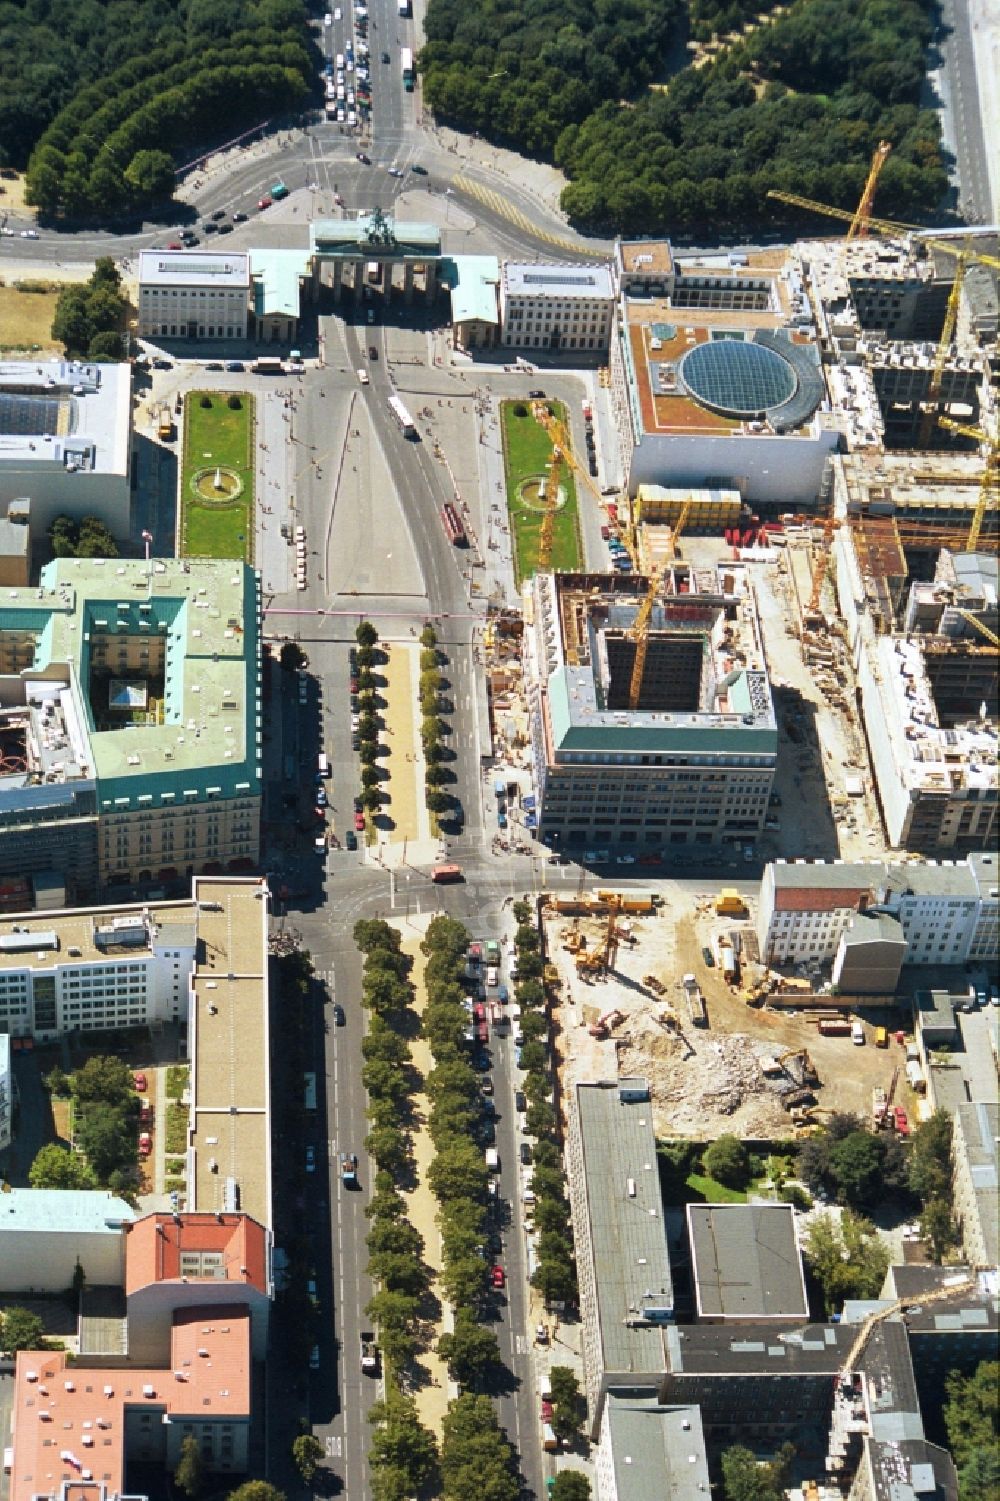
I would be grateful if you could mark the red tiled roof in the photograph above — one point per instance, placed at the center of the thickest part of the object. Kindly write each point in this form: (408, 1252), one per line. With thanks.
(819, 898)
(154, 1246)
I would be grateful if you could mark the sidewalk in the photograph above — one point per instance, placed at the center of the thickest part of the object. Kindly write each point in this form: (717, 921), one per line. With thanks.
(405, 786)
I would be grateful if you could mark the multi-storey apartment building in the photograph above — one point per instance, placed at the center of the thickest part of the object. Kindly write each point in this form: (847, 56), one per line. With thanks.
(131, 722)
(694, 762)
(947, 912)
(555, 307)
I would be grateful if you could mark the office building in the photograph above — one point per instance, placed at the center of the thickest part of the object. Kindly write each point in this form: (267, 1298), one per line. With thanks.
(716, 374)
(65, 445)
(694, 762)
(193, 294)
(46, 1233)
(945, 912)
(648, 1449)
(131, 728)
(555, 308)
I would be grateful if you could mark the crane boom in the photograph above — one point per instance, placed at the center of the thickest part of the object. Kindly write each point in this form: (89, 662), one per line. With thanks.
(885, 226)
(929, 416)
(862, 214)
(989, 490)
(948, 1290)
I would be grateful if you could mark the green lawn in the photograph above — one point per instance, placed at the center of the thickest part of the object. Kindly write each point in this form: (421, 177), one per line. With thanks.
(705, 1190)
(177, 1079)
(175, 1140)
(213, 436)
(527, 451)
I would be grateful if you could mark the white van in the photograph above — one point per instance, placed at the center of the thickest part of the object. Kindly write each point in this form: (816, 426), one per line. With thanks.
(857, 1034)
(339, 64)
(323, 765)
(363, 377)
(492, 976)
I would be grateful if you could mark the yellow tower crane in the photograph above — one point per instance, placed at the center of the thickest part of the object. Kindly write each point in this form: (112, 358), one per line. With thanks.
(983, 630)
(861, 221)
(929, 415)
(821, 565)
(640, 626)
(888, 227)
(547, 532)
(989, 490)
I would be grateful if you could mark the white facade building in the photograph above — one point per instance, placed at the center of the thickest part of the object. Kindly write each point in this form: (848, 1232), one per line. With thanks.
(95, 969)
(6, 1093)
(45, 1232)
(193, 294)
(556, 307)
(948, 911)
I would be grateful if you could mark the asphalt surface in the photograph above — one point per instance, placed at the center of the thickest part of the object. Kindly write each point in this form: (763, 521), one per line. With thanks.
(957, 42)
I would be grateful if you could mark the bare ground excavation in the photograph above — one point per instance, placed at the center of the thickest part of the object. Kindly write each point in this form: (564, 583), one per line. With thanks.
(705, 1080)
(432, 1394)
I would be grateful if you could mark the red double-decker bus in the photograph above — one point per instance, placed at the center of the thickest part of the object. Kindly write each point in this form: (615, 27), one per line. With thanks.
(453, 528)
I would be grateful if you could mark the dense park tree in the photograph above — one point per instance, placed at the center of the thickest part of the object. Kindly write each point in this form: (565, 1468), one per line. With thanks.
(728, 1162)
(929, 1168)
(744, 1478)
(476, 1459)
(848, 1260)
(189, 1475)
(55, 1166)
(799, 104)
(854, 1165)
(107, 1137)
(20, 1329)
(972, 1421)
(88, 538)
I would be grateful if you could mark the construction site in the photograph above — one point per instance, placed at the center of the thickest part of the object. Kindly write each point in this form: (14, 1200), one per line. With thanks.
(726, 1045)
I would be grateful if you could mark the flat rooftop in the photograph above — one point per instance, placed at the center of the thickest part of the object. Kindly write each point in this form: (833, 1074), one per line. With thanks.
(656, 1450)
(64, 415)
(93, 935)
(59, 1211)
(206, 611)
(194, 268)
(627, 1235)
(746, 1262)
(650, 257)
(715, 1349)
(528, 279)
(228, 1031)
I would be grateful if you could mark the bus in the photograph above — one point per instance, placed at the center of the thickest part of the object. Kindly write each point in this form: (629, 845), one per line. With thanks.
(443, 873)
(268, 365)
(402, 416)
(453, 528)
(406, 57)
(310, 1091)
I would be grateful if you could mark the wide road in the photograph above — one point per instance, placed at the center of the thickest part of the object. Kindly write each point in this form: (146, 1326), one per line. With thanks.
(958, 44)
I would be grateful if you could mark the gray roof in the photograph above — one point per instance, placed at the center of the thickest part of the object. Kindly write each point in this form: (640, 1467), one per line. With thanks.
(828, 875)
(986, 868)
(627, 1239)
(979, 1129)
(972, 1310)
(656, 1450)
(194, 268)
(865, 928)
(746, 1262)
(911, 1470)
(722, 1350)
(921, 877)
(891, 1391)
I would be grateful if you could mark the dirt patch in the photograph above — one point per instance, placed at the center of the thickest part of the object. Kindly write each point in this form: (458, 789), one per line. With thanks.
(26, 321)
(433, 1394)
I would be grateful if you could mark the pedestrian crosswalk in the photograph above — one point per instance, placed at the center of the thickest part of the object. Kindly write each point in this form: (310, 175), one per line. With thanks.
(501, 205)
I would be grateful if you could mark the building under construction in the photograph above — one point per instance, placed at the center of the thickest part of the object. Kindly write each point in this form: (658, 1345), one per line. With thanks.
(923, 627)
(684, 755)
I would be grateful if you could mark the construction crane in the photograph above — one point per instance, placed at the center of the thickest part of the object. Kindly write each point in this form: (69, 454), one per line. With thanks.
(821, 565)
(883, 1119)
(989, 490)
(929, 415)
(861, 221)
(983, 630)
(640, 635)
(948, 1289)
(547, 532)
(887, 227)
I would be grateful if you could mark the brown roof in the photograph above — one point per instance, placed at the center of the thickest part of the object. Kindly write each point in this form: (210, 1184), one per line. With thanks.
(819, 898)
(154, 1246)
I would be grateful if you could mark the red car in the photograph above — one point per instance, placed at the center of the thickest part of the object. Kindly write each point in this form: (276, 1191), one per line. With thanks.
(145, 1144)
(497, 1277)
(359, 822)
(145, 1113)
(901, 1120)
(264, 202)
(175, 245)
(546, 1410)
(139, 1080)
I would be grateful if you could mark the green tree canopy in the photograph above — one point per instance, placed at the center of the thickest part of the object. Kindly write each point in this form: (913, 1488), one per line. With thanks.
(56, 1166)
(848, 1260)
(256, 1490)
(470, 1350)
(570, 1485)
(20, 1329)
(103, 1079)
(728, 1162)
(189, 1476)
(476, 1459)
(972, 1412)
(307, 1452)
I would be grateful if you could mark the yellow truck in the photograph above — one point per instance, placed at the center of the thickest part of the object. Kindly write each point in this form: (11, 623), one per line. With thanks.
(165, 425)
(729, 903)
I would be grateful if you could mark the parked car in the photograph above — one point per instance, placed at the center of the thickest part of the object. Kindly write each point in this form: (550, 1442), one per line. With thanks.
(364, 158)
(140, 1082)
(265, 202)
(235, 367)
(420, 171)
(525, 1153)
(359, 822)
(520, 1103)
(537, 395)
(708, 957)
(351, 839)
(310, 1159)
(145, 1144)
(214, 365)
(498, 1277)
(240, 218)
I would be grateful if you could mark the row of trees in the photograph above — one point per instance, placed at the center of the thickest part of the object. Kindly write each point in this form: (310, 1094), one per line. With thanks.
(432, 727)
(109, 150)
(555, 1269)
(371, 748)
(403, 1453)
(89, 320)
(799, 104)
(457, 1176)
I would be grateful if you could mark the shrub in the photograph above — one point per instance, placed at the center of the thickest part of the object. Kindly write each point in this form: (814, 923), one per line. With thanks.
(205, 401)
(233, 402)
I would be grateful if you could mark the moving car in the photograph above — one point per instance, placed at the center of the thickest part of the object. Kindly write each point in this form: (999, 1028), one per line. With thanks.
(420, 171)
(372, 350)
(310, 1159)
(395, 171)
(351, 840)
(359, 822)
(385, 57)
(339, 1015)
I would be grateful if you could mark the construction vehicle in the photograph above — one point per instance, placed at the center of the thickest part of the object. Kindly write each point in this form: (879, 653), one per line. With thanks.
(603, 959)
(807, 1074)
(601, 1029)
(551, 975)
(636, 904)
(165, 425)
(949, 1287)
(729, 903)
(885, 1120)
(653, 984)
